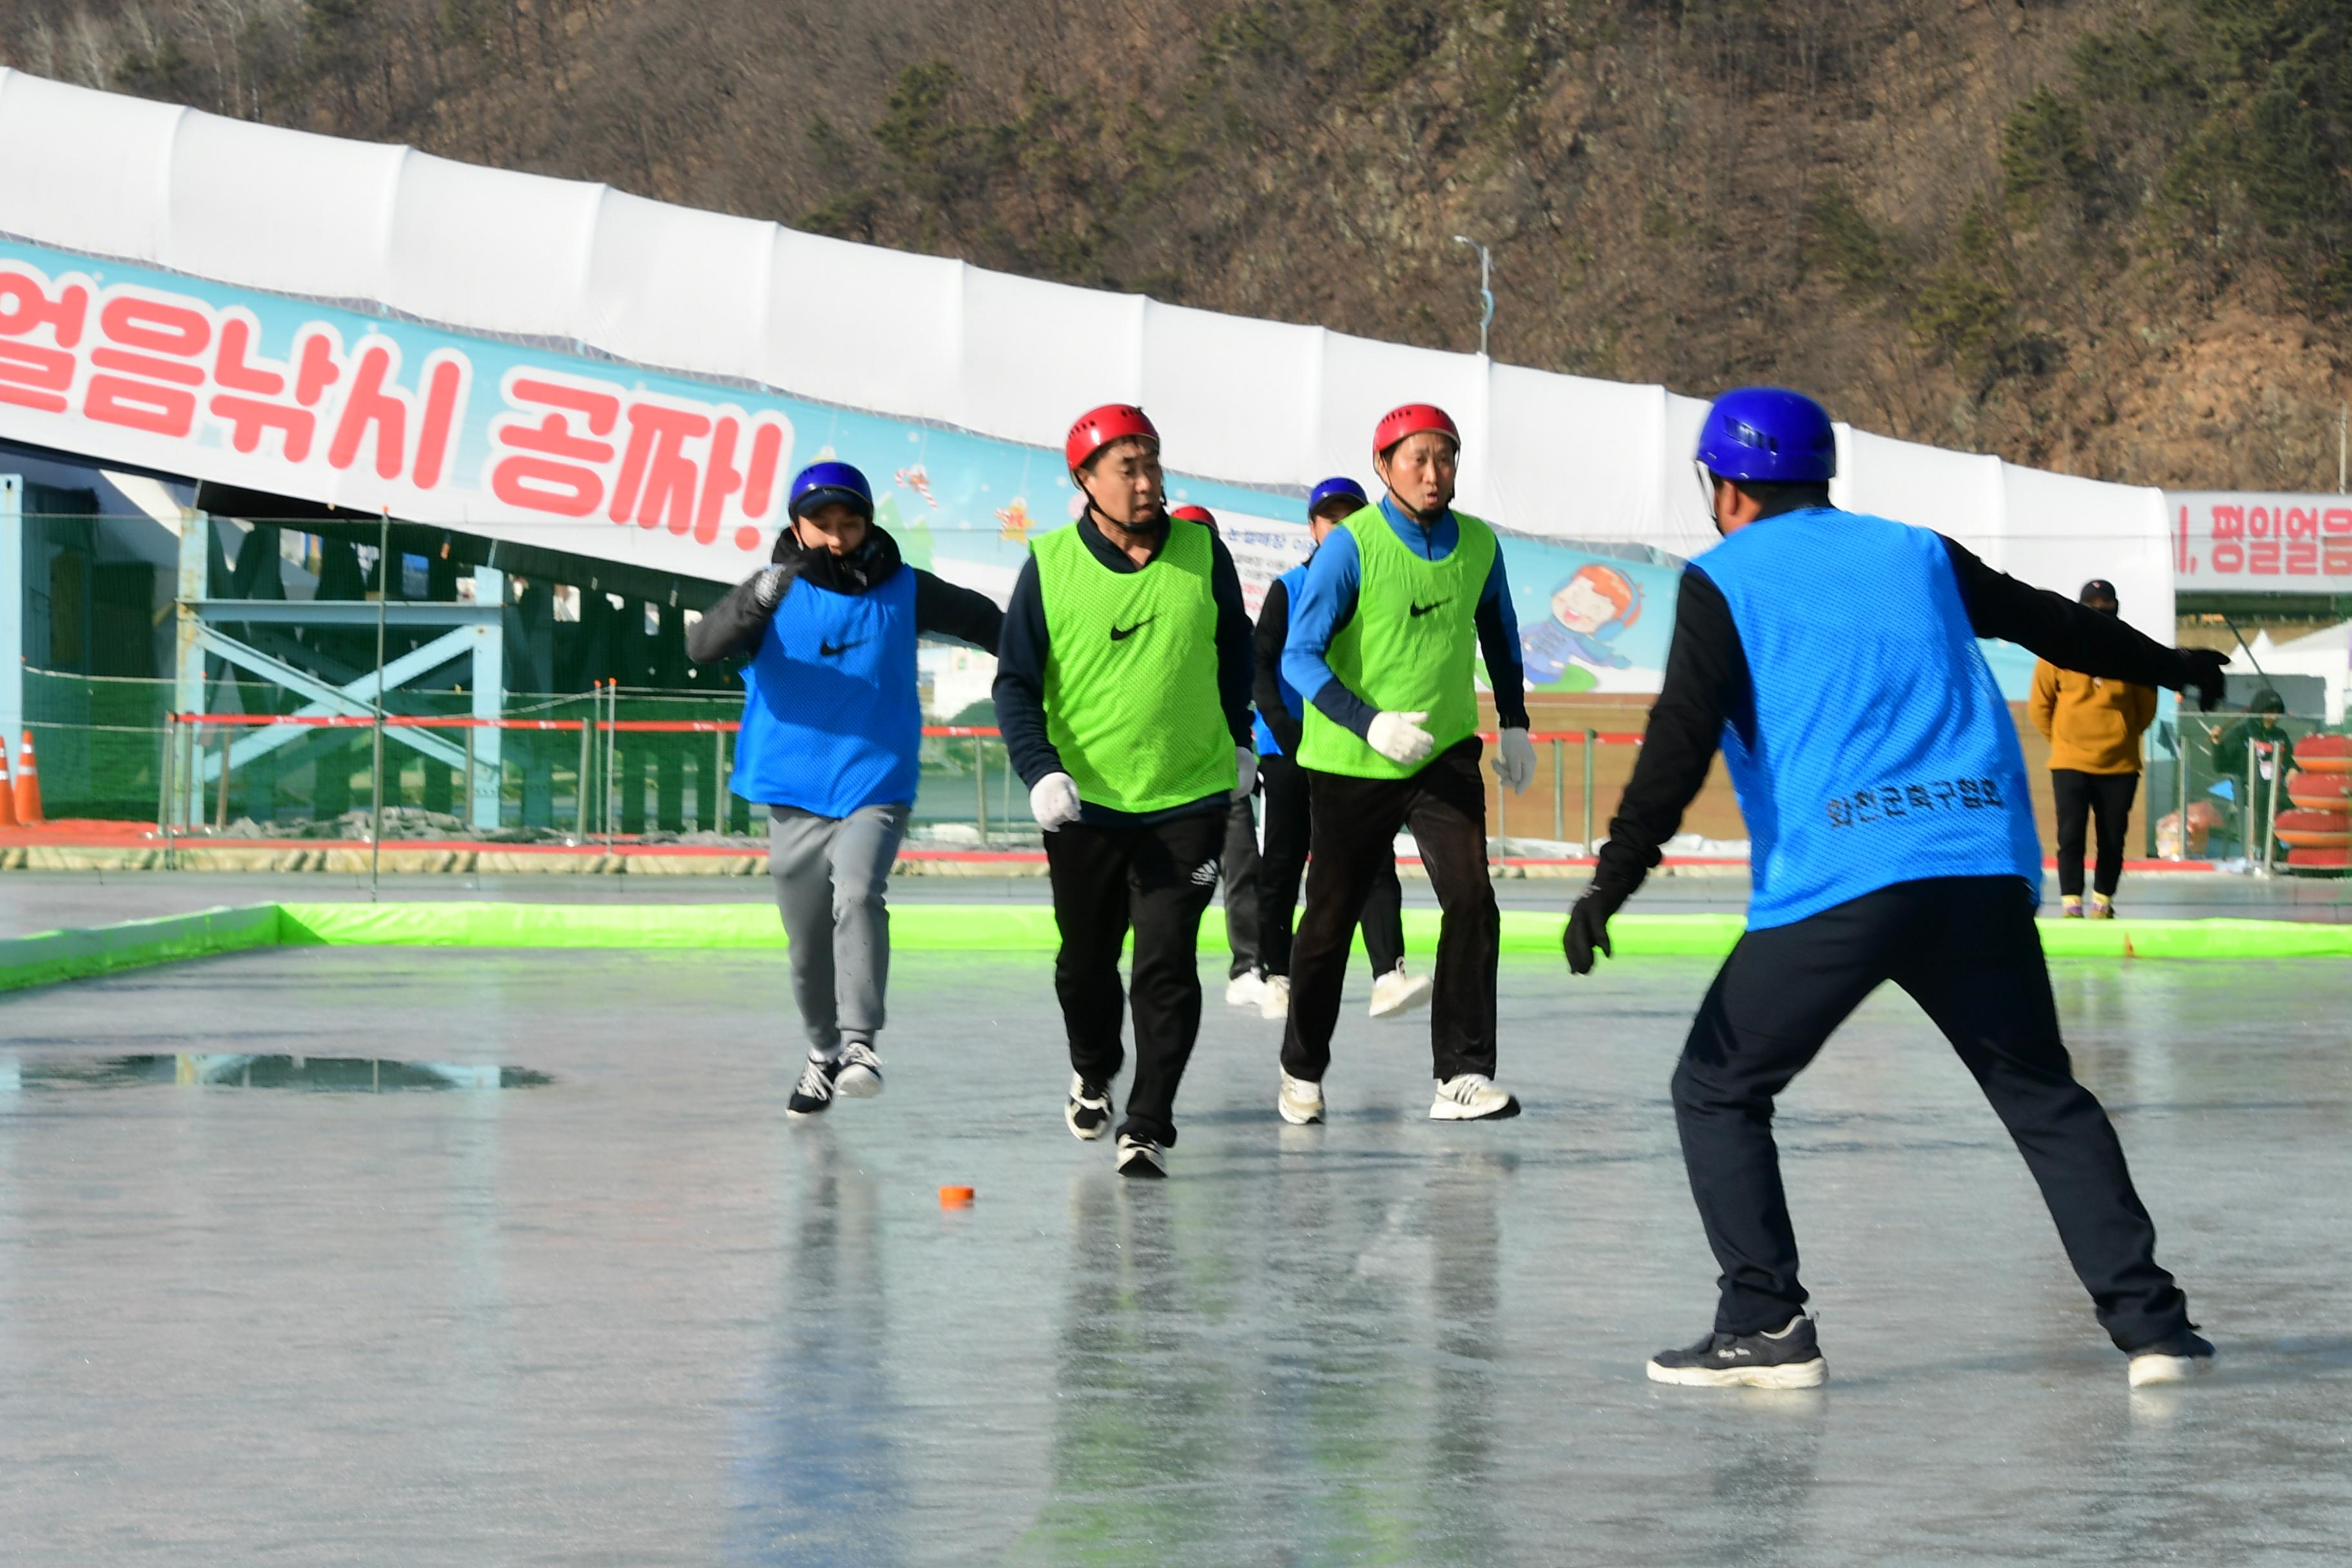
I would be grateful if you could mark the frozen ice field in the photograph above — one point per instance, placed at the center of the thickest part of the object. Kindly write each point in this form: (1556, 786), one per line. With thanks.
(284, 1278)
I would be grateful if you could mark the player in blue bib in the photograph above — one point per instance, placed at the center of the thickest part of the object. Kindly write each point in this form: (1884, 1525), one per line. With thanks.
(832, 733)
(1833, 658)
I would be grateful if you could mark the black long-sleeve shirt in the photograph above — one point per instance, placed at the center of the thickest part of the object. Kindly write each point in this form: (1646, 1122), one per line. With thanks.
(1706, 685)
(1273, 631)
(1021, 668)
(736, 624)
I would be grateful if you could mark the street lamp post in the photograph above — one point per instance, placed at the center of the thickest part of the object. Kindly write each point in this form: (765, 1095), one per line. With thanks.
(1486, 288)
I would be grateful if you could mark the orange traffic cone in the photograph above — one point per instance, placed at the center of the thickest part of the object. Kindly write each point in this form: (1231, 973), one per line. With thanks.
(7, 794)
(28, 786)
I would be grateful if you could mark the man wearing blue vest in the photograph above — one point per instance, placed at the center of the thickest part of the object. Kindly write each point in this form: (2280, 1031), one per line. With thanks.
(832, 732)
(1394, 608)
(1288, 814)
(1879, 772)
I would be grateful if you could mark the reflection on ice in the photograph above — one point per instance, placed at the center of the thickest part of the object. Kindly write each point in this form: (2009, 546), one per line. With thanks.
(363, 1075)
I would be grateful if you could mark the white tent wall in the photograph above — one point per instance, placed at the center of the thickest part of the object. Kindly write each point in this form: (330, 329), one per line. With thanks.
(1254, 404)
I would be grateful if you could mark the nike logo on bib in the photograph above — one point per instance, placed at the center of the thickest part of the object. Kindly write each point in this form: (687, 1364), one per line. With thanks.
(836, 649)
(1120, 634)
(1419, 610)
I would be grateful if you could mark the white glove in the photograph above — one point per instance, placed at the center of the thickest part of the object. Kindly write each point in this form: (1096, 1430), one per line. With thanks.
(1399, 738)
(768, 588)
(1244, 772)
(1055, 801)
(1514, 762)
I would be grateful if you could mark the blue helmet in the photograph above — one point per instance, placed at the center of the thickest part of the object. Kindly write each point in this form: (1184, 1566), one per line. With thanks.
(821, 484)
(1769, 435)
(1340, 487)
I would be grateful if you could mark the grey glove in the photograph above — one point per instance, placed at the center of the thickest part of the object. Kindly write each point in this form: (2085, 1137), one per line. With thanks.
(768, 588)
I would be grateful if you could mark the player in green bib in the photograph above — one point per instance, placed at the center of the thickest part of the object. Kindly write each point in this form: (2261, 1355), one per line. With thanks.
(1123, 693)
(1382, 632)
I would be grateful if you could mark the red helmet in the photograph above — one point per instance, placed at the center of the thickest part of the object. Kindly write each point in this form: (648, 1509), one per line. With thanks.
(1412, 419)
(1099, 427)
(1199, 514)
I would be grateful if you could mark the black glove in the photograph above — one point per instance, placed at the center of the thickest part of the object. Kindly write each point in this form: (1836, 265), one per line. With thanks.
(1587, 929)
(2201, 675)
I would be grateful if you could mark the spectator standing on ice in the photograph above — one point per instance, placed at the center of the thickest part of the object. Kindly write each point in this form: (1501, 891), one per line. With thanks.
(2093, 726)
(1886, 798)
(1122, 689)
(1237, 865)
(1283, 783)
(832, 733)
(1383, 629)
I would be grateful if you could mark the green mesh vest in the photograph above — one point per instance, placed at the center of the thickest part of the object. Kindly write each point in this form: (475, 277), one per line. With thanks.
(1131, 699)
(1407, 648)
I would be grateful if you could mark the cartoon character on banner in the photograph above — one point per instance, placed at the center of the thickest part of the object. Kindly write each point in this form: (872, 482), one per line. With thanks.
(1588, 611)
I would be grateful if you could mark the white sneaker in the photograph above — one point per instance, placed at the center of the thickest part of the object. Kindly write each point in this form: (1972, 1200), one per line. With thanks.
(1471, 1096)
(1397, 992)
(1274, 1001)
(1301, 1102)
(1088, 1110)
(1245, 990)
(2185, 1355)
(859, 1077)
(1141, 1157)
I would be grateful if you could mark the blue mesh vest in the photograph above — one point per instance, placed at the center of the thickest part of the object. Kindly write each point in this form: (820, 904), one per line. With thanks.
(1878, 750)
(832, 719)
(1268, 746)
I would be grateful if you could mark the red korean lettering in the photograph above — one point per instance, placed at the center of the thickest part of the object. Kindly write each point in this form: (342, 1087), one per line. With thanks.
(658, 479)
(2260, 523)
(250, 387)
(2301, 522)
(26, 307)
(2337, 520)
(444, 386)
(2263, 558)
(2302, 558)
(2229, 526)
(2338, 558)
(374, 403)
(148, 366)
(33, 377)
(550, 466)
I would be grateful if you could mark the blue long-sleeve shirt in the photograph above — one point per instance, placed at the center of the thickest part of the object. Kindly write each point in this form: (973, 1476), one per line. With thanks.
(1326, 601)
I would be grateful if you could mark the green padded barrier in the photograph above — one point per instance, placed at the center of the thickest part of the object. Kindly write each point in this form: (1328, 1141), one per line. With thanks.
(73, 954)
(58, 955)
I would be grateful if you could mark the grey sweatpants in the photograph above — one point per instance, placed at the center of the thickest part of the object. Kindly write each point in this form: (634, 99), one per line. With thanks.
(832, 877)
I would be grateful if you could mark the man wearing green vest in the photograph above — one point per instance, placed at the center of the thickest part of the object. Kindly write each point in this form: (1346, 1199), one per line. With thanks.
(1123, 693)
(1381, 634)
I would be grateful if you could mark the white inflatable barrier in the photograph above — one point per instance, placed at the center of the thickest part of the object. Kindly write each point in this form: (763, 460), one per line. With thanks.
(753, 311)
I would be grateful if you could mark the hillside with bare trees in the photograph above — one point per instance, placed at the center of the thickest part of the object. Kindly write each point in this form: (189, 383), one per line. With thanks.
(2111, 236)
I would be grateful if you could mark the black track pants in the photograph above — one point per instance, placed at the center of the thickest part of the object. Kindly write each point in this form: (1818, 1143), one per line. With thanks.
(2082, 796)
(1288, 816)
(1239, 864)
(1157, 879)
(1967, 951)
(1353, 835)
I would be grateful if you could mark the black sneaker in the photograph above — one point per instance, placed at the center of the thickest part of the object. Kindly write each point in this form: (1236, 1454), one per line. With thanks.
(1788, 1357)
(814, 1092)
(2174, 1359)
(1141, 1157)
(1088, 1109)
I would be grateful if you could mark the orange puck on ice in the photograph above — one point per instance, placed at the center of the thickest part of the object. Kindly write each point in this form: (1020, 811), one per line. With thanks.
(955, 1197)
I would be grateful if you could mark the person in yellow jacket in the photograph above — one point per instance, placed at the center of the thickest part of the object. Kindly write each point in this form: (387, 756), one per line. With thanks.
(2094, 726)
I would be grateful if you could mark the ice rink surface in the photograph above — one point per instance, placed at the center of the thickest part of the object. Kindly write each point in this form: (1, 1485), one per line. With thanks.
(362, 1307)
